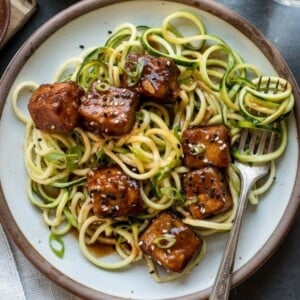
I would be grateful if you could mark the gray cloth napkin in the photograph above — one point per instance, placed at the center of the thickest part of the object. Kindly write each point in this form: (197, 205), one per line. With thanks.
(10, 283)
(19, 280)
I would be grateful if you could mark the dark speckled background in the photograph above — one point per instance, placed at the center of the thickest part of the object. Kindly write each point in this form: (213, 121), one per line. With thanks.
(279, 278)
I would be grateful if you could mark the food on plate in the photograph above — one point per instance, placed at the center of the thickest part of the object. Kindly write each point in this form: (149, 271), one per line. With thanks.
(54, 107)
(113, 193)
(170, 242)
(109, 110)
(207, 192)
(133, 144)
(152, 77)
(206, 146)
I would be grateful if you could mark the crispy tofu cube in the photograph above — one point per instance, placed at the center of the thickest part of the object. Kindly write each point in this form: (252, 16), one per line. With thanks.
(208, 190)
(113, 193)
(54, 107)
(109, 110)
(170, 242)
(204, 146)
(158, 80)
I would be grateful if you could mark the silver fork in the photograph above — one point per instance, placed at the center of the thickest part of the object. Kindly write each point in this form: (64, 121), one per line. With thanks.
(249, 174)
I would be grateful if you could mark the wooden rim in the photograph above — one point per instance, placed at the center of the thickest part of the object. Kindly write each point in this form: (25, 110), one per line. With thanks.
(5, 17)
(215, 9)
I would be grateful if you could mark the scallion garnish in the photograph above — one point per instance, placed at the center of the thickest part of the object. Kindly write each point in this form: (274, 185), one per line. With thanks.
(102, 87)
(70, 159)
(57, 245)
(197, 149)
(165, 241)
(173, 193)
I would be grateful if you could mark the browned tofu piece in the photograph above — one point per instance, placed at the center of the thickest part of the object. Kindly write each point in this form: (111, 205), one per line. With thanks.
(109, 110)
(54, 107)
(209, 189)
(204, 146)
(158, 80)
(170, 242)
(113, 193)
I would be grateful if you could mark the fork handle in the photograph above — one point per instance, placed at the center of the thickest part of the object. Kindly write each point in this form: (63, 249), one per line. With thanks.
(222, 282)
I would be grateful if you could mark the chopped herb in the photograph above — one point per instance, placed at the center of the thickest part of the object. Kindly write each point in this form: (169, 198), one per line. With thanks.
(197, 149)
(70, 159)
(165, 241)
(57, 245)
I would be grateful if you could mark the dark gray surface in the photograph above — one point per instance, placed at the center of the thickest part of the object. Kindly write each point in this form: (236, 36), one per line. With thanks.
(279, 278)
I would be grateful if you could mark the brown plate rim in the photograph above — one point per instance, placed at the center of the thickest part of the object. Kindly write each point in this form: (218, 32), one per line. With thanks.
(215, 9)
(5, 6)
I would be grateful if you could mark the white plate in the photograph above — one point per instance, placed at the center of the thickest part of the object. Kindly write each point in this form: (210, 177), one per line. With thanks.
(88, 24)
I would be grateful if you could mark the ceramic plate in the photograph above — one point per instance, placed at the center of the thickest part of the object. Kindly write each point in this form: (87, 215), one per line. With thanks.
(88, 23)
(4, 19)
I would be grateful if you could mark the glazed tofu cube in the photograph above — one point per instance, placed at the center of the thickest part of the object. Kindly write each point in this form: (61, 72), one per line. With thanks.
(113, 193)
(170, 242)
(205, 146)
(109, 110)
(158, 79)
(208, 191)
(54, 107)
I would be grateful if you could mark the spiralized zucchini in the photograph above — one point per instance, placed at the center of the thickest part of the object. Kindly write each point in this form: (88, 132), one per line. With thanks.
(216, 87)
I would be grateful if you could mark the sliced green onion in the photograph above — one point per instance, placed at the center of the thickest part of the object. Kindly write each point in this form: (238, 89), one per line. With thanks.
(55, 156)
(165, 241)
(57, 245)
(173, 193)
(197, 149)
(74, 155)
(157, 178)
(70, 159)
(102, 87)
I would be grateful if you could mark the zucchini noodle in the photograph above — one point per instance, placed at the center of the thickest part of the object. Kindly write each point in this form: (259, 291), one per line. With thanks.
(216, 87)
